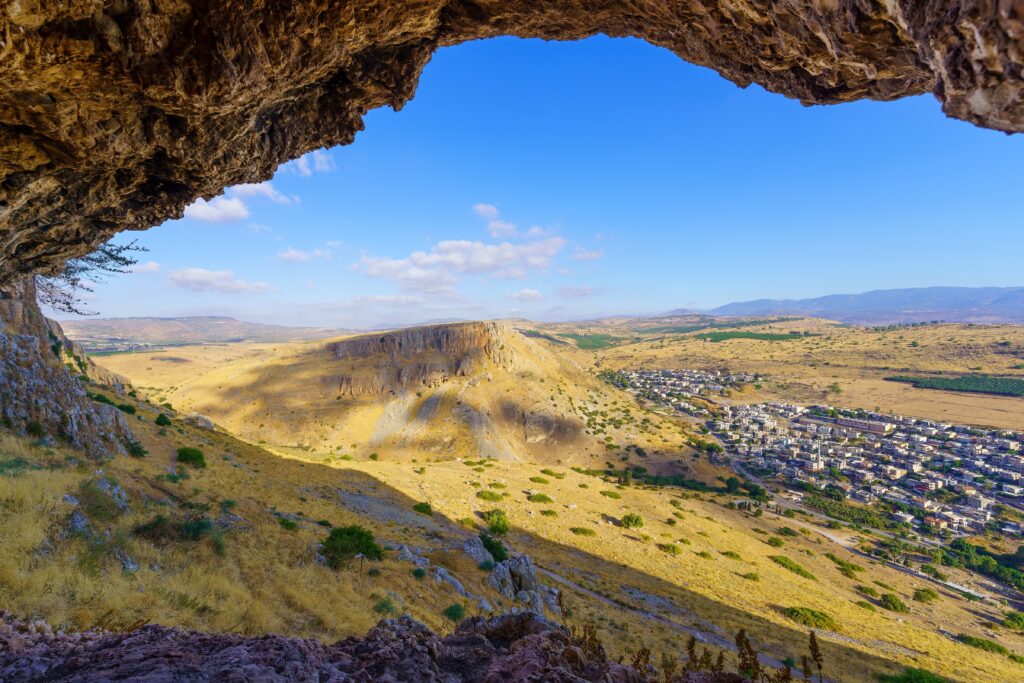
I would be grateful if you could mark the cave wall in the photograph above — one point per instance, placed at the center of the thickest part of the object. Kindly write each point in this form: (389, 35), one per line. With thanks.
(116, 114)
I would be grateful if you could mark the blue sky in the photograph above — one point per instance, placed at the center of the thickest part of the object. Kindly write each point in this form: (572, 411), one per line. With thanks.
(566, 180)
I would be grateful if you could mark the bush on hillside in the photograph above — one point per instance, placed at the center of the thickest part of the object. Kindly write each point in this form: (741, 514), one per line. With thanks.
(424, 509)
(497, 522)
(540, 498)
(891, 601)
(191, 456)
(811, 617)
(910, 675)
(792, 566)
(632, 521)
(925, 595)
(982, 644)
(583, 531)
(162, 420)
(489, 496)
(495, 547)
(454, 612)
(344, 543)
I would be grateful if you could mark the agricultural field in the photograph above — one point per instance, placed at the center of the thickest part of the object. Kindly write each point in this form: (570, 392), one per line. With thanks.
(977, 384)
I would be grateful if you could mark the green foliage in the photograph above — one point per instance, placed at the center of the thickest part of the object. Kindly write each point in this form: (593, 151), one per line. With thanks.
(583, 531)
(848, 513)
(126, 408)
(925, 595)
(632, 521)
(549, 513)
(811, 617)
(932, 571)
(982, 644)
(454, 612)
(552, 473)
(191, 456)
(540, 498)
(489, 496)
(1014, 621)
(910, 675)
(539, 480)
(962, 554)
(344, 543)
(787, 531)
(287, 524)
(136, 449)
(759, 336)
(162, 420)
(611, 494)
(731, 554)
(775, 542)
(980, 384)
(868, 591)
(419, 573)
(486, 565)
(497, 522)
(592, 342)
(792, 566)
(162, 530)
(35, 429)
(751, 576)
(866, 605)
(495, 547)
(670, 548)
(892, 602)
(848, 569)
(497, 485)
(97, 503)
(424, 509)
(386, 607)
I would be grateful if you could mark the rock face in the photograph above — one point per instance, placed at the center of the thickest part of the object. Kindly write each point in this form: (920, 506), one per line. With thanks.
(417, 357)
(115, 115)
(514, 647)
(38, 395)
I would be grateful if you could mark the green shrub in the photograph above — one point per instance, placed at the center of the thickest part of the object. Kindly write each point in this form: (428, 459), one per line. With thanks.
(552, 473)
(549, 513)
(419, 573)
(191, 456)
(162, 420)
(866, 605)
(1014, 621)
(867, 590)
(932, 571)
(386, 607)
(486, 565)
(925, 595)
(126, 408)
(611, 494)
(539, 480)
(325, 523)
(786, 531)
(373, 571)
(489, 496)
(983, 644)
(136, 449)
(454, 612)
(732, 555)
(792, 566)
(287, 524)
(424, 509)
(495, 547)
(751, 576)
(910, 675)
(497, 522)
(540, 498)
(35, 429)
(632, 521)
(497, 485)
(775, 542)
(583, 531)
(705, 554)
(670, 548)
(811, 617)
(891, 601)
(344, 543)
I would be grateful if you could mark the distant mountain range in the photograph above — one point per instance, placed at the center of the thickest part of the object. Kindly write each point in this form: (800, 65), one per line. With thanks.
(889, 306)
(105, 333)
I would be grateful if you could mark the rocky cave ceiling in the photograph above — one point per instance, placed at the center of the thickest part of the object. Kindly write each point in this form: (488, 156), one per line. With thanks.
(116, 114)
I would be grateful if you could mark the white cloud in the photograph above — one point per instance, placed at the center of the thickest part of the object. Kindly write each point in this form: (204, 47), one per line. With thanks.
(437, 269)
(203, 280)
(317, 161)
(536, 231)
(571, 292)
(299, 256)
(217, 210)
(587, 254)
(495, 226)
(526, 295)
(147, 267)
(257, 228)
(264, 189)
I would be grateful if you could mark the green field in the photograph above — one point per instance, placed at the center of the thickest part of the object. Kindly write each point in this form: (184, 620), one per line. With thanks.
(978, 384)
(684, 329)
(760, 336)
(592, 342)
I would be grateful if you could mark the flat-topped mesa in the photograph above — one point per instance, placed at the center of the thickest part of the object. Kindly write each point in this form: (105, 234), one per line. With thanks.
(420, 356)
(116, 115)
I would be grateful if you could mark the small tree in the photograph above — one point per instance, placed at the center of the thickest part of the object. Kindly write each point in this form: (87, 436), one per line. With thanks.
(345, 542)
(61, 292)
(632, 521)
(497, 522)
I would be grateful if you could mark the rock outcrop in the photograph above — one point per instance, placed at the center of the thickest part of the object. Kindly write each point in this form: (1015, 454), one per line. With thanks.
(115, 115)
(516, 647)
(38, 394)
(417, 357)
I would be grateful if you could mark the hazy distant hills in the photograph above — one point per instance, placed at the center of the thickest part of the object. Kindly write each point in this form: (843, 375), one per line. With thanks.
(102, 333)
(950, 304)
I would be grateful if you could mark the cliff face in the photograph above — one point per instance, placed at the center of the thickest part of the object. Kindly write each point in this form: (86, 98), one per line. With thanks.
(418, 357)
(38, 394)
(115, 115)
